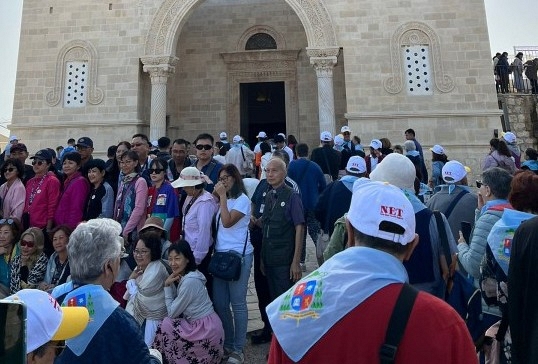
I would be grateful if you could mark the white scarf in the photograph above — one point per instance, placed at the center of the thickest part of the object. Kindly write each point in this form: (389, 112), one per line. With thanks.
(302, 315)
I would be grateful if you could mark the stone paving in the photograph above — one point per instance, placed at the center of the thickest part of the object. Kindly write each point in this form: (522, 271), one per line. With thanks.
(256, 354)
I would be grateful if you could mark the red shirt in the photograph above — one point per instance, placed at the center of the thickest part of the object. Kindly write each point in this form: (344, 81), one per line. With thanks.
(434, 334)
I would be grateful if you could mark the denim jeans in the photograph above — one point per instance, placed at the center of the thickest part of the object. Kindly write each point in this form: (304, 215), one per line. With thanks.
(234, 293)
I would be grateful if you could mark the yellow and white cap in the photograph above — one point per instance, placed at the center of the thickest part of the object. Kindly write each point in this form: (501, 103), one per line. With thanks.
(47, 320)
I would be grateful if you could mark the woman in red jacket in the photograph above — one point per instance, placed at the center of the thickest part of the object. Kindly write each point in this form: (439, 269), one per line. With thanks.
(42, 193)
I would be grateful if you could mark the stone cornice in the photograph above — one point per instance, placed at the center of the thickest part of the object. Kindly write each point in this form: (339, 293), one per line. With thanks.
(423, 114)
(75, 125)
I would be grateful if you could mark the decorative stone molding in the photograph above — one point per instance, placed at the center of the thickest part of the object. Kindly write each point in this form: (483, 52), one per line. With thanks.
(172, 15)
(423, 114)
(416, 33)
(280, 40)
(159, 68)
(76, 50)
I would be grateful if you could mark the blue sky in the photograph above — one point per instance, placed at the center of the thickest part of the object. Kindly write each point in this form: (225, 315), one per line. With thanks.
(510, 23)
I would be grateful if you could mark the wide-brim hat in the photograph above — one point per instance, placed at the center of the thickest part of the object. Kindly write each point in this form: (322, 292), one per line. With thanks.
(190, 176)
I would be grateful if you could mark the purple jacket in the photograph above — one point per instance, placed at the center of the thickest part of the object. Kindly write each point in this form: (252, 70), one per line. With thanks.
(72, 201)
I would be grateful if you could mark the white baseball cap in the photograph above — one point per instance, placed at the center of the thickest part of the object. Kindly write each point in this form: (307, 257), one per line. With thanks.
(190, 176)
(13, 138)
(345, 129)
(437, 149)
(376, 144)
(236, 139)
(155, 143)
(223, 135)
(509, 137)
(396, 169)
(261, 134)
(325, 136)
(339, 140)
(356, 164)
(47, 320)
(386, 204)
(453, 171)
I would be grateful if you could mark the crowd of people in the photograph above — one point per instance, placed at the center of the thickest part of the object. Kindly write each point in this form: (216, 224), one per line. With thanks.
(141, 241)
(502, 69)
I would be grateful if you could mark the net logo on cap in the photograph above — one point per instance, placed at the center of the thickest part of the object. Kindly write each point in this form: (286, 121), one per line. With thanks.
(392, 212)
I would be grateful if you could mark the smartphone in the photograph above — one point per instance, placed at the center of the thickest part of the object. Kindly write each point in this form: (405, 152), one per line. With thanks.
(12, 332)
(466, 228)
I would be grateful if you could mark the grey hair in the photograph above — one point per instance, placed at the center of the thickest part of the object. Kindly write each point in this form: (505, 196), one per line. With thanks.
(280, 162)
(409, 146)
(91, 246)
(283, 156)
(498, 180)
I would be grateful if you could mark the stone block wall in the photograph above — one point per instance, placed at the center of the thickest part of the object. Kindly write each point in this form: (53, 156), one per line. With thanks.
(522, 112)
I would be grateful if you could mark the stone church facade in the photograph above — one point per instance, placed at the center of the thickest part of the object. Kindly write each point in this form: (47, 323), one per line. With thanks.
(180, 67)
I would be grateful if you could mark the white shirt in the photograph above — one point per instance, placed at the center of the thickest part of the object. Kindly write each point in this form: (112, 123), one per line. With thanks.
(233, 238)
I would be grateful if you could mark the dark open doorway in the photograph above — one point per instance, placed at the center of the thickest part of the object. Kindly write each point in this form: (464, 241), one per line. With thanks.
(263, 108)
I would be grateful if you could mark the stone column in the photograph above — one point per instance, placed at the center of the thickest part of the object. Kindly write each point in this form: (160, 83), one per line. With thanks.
(159, 69)
(323, 60)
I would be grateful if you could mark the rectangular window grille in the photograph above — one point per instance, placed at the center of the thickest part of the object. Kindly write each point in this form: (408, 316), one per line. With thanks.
(418, 75)
(76, 74)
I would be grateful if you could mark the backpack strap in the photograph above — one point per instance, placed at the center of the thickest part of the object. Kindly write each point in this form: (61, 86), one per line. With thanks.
(397, 323)
(454, 202)
(442, 235)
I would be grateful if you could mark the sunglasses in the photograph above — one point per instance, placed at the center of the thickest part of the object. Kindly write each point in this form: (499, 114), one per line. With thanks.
(479, 184)
(38, 162)
(204, 146)
(156, 170)
(7, 221)
(11, 169)
(29, 244)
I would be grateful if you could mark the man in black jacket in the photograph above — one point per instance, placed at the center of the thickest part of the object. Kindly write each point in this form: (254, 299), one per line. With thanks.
(326, 157)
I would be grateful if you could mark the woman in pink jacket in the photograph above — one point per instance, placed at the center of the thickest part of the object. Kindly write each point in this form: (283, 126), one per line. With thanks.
(75, 192)
(12, 192)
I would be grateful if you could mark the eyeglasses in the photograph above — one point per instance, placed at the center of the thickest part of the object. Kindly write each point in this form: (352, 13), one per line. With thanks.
(140, 252)
(138, 144)
(156, 170)
(38, 162)
(29, 244)
(223, 178)
(11, 169)
(7, 221)
(347, 133)
(480, 184)
(204, 146)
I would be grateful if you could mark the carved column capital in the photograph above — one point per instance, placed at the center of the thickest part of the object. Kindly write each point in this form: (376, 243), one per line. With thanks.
(323, 60)
(159, 68)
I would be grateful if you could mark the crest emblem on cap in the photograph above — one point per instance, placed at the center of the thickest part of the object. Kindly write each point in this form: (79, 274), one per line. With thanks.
(304, 299)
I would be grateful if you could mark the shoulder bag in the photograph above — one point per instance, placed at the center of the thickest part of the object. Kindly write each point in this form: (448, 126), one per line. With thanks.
(227, 265)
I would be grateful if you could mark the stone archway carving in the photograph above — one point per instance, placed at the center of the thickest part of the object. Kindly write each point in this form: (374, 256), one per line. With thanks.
(172, 15)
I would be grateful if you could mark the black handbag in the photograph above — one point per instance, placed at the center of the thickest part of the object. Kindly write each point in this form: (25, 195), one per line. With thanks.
(227, 265)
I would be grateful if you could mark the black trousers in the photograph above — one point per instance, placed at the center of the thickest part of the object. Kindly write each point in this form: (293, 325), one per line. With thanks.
(260, 281)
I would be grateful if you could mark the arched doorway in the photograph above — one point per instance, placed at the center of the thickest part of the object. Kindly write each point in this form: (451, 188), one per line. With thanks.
(160, 59)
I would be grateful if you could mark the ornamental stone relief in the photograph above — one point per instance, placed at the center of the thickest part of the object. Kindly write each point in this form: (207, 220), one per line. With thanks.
(409, 34)
(76, 50)
(172, 14)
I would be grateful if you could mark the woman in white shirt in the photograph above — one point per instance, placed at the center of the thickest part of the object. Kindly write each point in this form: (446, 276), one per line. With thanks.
(232, 235)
